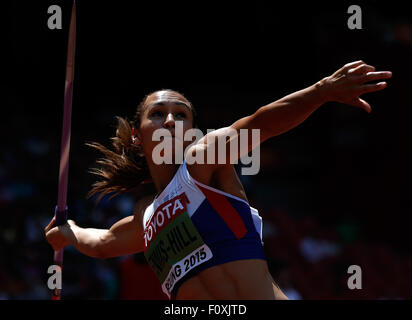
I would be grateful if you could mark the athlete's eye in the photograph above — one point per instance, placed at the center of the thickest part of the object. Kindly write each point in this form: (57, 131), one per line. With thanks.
(157, 114)
(181, 115)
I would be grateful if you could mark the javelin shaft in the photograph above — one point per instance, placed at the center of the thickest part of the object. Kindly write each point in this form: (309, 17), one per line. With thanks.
(61, 208)
(68, 96)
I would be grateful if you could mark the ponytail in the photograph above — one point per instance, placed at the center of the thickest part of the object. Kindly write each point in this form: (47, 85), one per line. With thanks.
(123, 169)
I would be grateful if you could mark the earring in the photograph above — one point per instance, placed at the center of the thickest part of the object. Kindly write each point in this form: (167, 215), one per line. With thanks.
(135, 140)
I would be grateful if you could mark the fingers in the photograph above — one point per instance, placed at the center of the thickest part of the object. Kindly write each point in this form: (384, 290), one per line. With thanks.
(360, 103)
(372, 87)
(354, 77)
(352, 65)
(361, 69)
(53, 235)
(52, 238)
(372, 76)
(50, 225)
(55, 239)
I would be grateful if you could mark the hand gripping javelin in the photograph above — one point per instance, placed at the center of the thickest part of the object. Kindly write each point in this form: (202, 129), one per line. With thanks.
(60, 215)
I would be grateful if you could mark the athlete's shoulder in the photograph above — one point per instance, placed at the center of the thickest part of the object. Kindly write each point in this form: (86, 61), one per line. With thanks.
(142, 204)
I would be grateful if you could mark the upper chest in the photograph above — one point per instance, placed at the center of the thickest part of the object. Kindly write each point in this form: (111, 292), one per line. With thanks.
(223, 178)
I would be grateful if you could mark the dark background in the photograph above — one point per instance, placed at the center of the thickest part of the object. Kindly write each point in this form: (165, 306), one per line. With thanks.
(333, 192)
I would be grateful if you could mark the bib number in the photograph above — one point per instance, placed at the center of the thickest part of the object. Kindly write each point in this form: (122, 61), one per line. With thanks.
(173, 246)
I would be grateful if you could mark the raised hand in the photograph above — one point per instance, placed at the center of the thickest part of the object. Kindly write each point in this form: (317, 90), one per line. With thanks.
(351, 81)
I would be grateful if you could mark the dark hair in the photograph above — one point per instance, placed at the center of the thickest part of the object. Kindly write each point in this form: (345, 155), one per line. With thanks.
(125, 169)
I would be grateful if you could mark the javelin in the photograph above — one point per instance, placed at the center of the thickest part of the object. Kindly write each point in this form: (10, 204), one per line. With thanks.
(60, 214)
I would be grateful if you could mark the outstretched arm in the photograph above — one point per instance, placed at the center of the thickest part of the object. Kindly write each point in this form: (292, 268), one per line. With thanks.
(121, 239)
(124, 237)
(345, 86)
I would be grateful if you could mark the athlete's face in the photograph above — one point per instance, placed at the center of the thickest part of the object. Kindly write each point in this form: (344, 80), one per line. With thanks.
(162, 110)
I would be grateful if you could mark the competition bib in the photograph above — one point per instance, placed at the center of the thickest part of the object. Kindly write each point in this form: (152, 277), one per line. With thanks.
(172, 245)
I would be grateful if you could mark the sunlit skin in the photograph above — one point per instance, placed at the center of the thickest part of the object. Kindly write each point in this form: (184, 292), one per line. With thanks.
(162, 110)
(244, 279)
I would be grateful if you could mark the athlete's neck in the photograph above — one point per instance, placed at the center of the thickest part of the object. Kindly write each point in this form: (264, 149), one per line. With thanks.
(162, 175)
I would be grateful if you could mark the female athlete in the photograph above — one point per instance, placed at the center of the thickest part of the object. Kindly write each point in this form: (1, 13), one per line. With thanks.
(193, 220)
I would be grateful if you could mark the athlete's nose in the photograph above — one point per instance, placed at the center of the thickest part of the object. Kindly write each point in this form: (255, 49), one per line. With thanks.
(169, 121)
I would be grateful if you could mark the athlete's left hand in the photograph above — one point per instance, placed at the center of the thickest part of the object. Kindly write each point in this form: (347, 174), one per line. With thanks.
(350, 81)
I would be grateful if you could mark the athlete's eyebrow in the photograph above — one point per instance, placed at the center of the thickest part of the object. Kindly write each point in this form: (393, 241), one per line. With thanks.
(162, 103)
